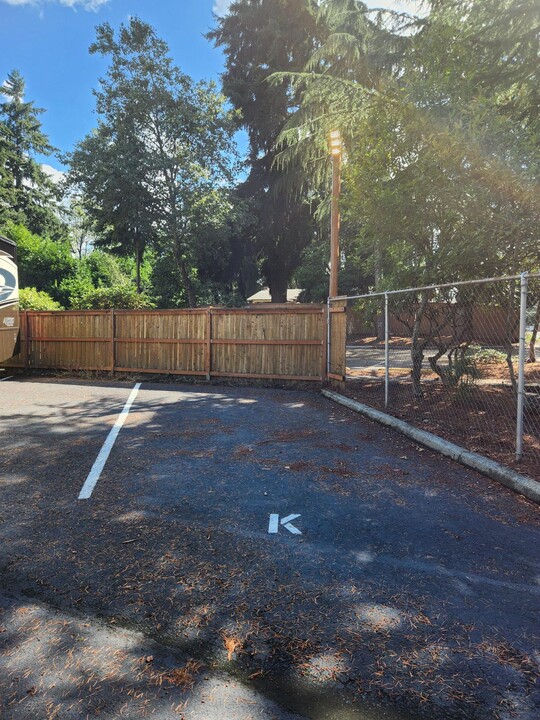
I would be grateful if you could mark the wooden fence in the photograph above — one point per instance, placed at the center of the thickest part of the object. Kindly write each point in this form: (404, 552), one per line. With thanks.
(483, 324)
(337, 365)
(277, 342)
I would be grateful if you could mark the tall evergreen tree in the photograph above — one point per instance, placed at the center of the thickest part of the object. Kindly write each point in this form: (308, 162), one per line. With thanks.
(34, 197)
(259, 38)
(440, 148)
(502, 39)
(7, 186)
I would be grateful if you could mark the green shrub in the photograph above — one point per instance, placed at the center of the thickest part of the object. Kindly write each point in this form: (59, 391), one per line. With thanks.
(32, 299)
(118, 297)
(461, 370)
(485, 356)
(43, 263)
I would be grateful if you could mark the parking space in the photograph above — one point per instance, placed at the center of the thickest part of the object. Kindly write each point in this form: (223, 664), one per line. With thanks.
(275, 534)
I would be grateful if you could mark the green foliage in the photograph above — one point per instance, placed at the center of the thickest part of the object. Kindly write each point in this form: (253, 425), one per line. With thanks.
(441, 168)
(110, 169)
(258, 40)
(95, 270)
(486, 356)
(43, 263)
(32, 299)
(119, 297)
(128, 267)
(496, 43)
(79, 226)
(312, 273)
(164, 143)
(31, 197)
(7, 185)
(167, 287)
(462, 370)
(76, 286)
(104, 269)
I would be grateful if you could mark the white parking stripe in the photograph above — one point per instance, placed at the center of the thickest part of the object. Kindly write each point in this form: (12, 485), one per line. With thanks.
(97, 467)
(7, 378)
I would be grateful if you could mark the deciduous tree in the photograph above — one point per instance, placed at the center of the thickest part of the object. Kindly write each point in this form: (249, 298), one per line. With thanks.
(164, 144)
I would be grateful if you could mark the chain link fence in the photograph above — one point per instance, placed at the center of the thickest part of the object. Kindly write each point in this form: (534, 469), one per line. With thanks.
(461, 361)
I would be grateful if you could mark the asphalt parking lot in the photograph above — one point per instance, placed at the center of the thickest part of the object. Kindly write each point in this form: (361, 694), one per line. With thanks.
(321, 561)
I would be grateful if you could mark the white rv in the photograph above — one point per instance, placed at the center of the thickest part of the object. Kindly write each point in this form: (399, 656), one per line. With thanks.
(9, 300)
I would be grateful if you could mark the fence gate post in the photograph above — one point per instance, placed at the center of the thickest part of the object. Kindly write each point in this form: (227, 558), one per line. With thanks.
(521, 366)
(337, 350)
(328, 335)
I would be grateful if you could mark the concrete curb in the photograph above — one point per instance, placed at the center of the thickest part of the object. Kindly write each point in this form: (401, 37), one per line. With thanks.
(506, 476)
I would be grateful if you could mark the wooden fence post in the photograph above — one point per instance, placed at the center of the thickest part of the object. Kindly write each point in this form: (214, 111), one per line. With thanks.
(324, 358)
(113, 341)
(338, 343)
(208, 359)
(26, 357)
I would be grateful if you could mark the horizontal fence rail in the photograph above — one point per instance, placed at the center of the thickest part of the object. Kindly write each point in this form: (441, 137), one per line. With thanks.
(275, 343)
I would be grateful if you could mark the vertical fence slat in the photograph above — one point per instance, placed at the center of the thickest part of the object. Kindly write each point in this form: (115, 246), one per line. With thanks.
(27, 340)
(113, 341)
(324, 348)
(208, 346)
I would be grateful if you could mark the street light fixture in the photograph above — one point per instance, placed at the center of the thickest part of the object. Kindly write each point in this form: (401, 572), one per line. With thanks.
(336, 150)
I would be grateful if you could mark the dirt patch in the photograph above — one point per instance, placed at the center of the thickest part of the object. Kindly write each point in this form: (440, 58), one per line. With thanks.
(242, 451)
(341, 469)
(480, 418)
(300, 466)
(193, 453)
(292, 434)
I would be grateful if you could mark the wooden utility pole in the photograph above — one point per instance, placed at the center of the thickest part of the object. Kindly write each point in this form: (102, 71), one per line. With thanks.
(335, 149)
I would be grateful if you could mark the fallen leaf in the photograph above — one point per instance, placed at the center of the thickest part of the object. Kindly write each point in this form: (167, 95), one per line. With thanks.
(230, 645)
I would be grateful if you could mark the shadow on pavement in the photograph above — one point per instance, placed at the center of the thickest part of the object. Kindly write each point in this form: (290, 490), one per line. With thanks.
(397, 592)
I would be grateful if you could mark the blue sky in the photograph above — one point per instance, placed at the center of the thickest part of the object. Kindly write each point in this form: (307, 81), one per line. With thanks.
(48, 40)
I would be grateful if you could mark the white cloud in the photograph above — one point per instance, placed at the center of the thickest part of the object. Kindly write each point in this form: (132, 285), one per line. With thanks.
(221, 7)
(91, 5)
(55, 175)
(408, 6)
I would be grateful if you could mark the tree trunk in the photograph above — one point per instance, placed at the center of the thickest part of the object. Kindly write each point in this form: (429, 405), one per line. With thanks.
(184, 274)
(188, 285)
(534, 336)
(379, 318)
(278, 288)
(448, 378)
(510, 323)
(138, 254)
(417, 350)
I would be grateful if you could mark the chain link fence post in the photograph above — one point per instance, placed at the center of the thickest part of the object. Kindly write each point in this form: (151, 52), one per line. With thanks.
(521, 365)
